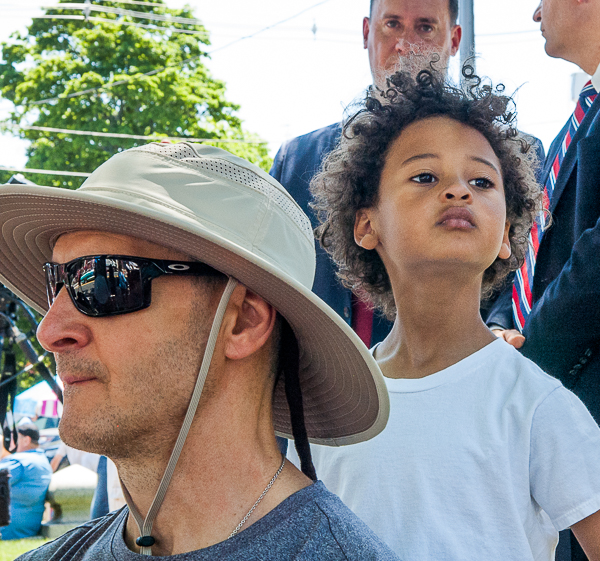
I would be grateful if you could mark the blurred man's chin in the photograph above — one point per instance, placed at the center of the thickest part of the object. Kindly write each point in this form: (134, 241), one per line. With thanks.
(412, 63)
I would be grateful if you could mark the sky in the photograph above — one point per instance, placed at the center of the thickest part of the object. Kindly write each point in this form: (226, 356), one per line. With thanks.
(299, 75)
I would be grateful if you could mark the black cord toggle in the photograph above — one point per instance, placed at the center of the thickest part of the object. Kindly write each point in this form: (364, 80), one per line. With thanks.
(145, 541)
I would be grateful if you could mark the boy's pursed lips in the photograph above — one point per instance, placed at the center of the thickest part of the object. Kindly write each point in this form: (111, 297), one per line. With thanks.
(457, 217)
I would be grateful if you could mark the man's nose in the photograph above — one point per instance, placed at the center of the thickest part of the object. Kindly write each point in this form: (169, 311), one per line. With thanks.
(537, 15)
(63, 327)
(402, 44)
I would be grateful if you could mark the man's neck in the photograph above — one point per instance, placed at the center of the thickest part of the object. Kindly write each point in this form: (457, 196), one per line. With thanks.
(437, 325)
(225, 465)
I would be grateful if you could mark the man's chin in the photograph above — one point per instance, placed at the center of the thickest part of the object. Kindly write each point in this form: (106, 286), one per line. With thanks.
(412, 64)
(76, 438)
(84, 434)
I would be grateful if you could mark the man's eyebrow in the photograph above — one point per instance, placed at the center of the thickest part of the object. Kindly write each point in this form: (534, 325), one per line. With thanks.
(486, 162)
(419, 157)
(427, 20)
(392, 15)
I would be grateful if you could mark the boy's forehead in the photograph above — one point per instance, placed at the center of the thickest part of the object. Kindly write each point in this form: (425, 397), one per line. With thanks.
(71, 245)
(439, 135)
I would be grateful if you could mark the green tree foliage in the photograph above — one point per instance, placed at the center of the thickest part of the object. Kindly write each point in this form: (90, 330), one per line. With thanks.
(59, 57)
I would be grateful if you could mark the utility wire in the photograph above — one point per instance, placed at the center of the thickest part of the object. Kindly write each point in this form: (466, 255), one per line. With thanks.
(46, 171)
(136, 136)
(270, 26)
(123, 12)
(203, 23)
(130, 23)
(136, 2)
(160, 69)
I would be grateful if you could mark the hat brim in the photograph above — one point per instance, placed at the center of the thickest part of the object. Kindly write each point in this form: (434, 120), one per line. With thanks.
(344, 395)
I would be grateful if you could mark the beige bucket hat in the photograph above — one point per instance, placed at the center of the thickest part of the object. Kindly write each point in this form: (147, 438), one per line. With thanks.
(229, 214)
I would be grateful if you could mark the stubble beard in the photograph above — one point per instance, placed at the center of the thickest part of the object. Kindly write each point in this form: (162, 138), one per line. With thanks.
(158, 393)
(420, 57)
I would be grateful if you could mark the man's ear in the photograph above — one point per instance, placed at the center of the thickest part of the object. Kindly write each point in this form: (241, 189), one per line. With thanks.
(505, 250)
(455, 38)
(250, 323)
(364, 234)
(366, 25)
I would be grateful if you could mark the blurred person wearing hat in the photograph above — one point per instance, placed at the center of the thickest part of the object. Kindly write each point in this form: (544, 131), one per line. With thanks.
(176, 287)
(30, 475)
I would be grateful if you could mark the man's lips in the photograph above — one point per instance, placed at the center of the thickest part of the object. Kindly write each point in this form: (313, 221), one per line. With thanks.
(75, 380)
(459, 218)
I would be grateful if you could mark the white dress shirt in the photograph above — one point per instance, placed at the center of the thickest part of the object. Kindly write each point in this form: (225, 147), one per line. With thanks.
(596, 79)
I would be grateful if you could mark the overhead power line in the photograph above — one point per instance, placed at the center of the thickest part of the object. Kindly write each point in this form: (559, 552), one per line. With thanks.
(177, 64)
(120, 22)
(123, 12)
(136, 2)
(137, 136)
(45, 171)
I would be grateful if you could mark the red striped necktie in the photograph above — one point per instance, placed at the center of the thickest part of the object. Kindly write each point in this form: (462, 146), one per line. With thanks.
(523, 284)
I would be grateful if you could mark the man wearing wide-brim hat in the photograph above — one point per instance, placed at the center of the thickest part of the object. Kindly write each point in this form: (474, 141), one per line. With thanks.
(176, 287)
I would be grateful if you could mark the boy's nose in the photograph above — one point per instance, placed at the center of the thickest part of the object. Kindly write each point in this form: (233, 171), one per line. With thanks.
(537, 15)
(457, 190)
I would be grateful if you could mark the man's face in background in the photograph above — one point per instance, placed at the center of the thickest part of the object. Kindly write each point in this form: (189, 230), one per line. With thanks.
(420, 30)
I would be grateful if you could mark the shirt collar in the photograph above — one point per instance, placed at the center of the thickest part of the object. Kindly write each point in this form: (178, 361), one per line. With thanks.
(596, 79)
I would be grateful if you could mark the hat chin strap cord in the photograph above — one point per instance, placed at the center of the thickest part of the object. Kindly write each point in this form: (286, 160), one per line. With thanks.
(146, 541)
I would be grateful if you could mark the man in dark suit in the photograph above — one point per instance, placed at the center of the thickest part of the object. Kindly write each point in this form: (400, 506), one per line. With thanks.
(394, 29)
(559, 328)
(561, 333)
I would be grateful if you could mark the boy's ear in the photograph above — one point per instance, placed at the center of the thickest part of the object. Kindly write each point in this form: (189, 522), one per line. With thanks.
(364, 234)
(505, 250)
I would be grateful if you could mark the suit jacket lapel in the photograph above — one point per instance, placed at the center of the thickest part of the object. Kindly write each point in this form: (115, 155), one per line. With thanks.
(570, 158)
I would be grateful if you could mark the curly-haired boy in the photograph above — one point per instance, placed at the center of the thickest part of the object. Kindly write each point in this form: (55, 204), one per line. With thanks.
(425, 206)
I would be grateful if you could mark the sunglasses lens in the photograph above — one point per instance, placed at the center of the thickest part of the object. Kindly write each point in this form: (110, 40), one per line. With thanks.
(103, 286)
(51, 282)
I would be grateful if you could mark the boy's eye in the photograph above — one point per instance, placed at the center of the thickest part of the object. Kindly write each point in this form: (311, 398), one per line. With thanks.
(482, 183)
(424, 178)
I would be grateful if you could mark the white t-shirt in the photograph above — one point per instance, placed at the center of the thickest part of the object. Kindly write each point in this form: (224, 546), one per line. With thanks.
(487, 459)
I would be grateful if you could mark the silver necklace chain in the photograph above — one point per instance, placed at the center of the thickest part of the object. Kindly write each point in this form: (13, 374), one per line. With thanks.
(262, 496)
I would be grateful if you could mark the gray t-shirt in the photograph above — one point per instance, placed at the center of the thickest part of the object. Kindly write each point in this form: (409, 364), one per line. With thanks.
(309, 525)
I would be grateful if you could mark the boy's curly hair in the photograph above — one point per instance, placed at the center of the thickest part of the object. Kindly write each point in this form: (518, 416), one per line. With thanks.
(350, 175)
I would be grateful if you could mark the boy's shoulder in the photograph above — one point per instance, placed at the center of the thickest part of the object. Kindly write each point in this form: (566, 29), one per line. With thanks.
(510, 366)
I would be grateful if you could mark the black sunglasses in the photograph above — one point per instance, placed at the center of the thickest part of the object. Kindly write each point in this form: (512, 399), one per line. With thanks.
(109, 285)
